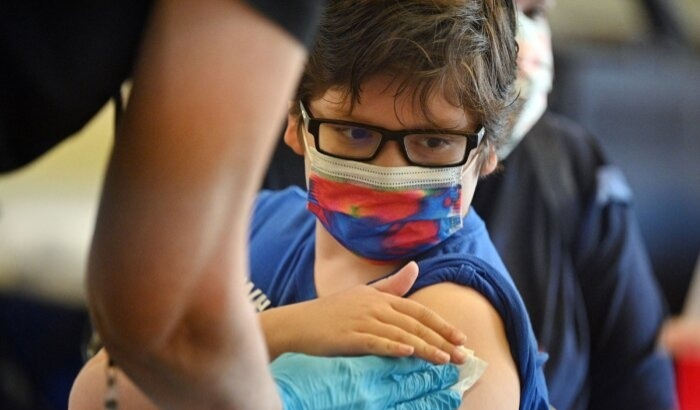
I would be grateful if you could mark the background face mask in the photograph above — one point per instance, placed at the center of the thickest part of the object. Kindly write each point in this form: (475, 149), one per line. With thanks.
(384, 213)
(535, 77)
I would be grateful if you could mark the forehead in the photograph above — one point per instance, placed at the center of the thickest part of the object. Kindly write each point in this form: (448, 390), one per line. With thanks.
(383, 103)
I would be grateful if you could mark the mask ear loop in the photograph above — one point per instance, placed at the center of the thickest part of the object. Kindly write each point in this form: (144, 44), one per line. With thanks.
(483, 147)
(308, 157)
(304, 139)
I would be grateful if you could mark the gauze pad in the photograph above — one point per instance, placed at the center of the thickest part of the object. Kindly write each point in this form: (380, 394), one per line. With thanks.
(469, 372)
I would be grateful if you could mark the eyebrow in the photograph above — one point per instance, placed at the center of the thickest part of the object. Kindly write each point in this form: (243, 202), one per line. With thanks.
(343, 115)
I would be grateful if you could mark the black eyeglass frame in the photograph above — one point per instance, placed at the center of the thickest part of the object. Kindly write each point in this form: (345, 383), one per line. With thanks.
(313, 125)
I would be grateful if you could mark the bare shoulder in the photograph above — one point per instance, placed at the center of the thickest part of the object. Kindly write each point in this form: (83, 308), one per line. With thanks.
(472, 313)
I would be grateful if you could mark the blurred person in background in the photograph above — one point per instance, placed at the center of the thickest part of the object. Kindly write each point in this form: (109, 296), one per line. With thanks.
(561, 216)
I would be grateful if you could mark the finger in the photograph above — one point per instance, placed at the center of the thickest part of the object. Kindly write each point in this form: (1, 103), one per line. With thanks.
(429, 380)
(400, 282)
(407, 329)
(373, 344)
(382, 338)
(429, 319)
(398, 285)
(442, 400)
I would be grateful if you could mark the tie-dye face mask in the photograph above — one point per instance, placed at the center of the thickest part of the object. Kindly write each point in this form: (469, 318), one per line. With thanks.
(384, 213)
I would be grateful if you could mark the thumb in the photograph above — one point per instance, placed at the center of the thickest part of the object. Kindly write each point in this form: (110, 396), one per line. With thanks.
(400, 282)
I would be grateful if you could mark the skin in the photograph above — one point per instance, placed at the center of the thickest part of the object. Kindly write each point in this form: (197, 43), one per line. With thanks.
(168, 260)
(380, 322)
(89, 389)
(499, 388)
(681, 337)
(315, 321)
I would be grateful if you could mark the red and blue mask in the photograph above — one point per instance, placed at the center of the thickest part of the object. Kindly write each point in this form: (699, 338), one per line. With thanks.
(384, 214)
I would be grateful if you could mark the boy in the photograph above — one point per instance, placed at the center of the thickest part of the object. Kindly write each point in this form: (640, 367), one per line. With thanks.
(399, 112)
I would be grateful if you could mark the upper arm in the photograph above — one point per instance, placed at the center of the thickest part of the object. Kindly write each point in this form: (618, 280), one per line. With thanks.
(206, 105)
(169, 255)
(468, 310)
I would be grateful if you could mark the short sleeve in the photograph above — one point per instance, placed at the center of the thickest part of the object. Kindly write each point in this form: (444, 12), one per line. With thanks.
(62, 61)
(298, 17)
(498, 289)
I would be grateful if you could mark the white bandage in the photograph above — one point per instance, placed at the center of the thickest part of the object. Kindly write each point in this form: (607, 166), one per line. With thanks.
(469, 372)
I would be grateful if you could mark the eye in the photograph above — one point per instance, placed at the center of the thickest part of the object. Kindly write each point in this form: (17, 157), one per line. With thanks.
(433, 142)
(348, 140)
(536, 13)
(436, 149)
(536, 9)
(436, 142)
(350, 133)
(358, 133)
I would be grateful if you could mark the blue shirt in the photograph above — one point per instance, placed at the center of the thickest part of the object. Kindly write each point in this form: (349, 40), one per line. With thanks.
(282, 267)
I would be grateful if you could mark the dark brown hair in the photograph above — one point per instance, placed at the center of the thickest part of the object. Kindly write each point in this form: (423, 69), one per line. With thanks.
(464, 49)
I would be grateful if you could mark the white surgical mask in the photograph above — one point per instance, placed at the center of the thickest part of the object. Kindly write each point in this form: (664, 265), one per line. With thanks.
(535, 77)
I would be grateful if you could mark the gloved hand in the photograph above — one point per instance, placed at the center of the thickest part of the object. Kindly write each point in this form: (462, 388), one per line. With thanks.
(364, 382)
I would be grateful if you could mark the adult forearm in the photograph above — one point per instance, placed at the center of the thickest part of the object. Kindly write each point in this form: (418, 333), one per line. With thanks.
(169, 255)
(190, 371)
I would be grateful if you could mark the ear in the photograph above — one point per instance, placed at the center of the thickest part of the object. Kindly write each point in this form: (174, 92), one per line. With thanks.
(292, 136)
(490, 162)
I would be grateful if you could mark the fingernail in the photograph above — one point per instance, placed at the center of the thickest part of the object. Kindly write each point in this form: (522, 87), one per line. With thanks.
(405, 350)
(443, 357)
(460, 354)
(460, 337)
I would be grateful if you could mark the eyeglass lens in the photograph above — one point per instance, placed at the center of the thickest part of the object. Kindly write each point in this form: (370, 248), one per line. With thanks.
(354, 142)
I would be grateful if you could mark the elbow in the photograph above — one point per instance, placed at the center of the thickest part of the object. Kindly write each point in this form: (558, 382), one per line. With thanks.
(128, 320)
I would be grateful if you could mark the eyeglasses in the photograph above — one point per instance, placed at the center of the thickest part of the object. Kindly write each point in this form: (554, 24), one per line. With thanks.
(360, 142)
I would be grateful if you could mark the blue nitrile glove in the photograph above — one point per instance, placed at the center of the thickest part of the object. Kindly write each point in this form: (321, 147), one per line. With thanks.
(364, 382)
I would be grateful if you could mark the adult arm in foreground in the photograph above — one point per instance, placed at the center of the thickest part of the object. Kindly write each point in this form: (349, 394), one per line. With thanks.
(168, 260)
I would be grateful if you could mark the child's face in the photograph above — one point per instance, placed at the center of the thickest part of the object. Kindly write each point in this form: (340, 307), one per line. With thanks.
(380, 107)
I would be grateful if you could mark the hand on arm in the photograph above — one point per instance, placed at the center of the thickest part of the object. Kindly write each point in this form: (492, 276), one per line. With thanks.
(309, 383)
(364, 320)
(499, 386)
(366, 382)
